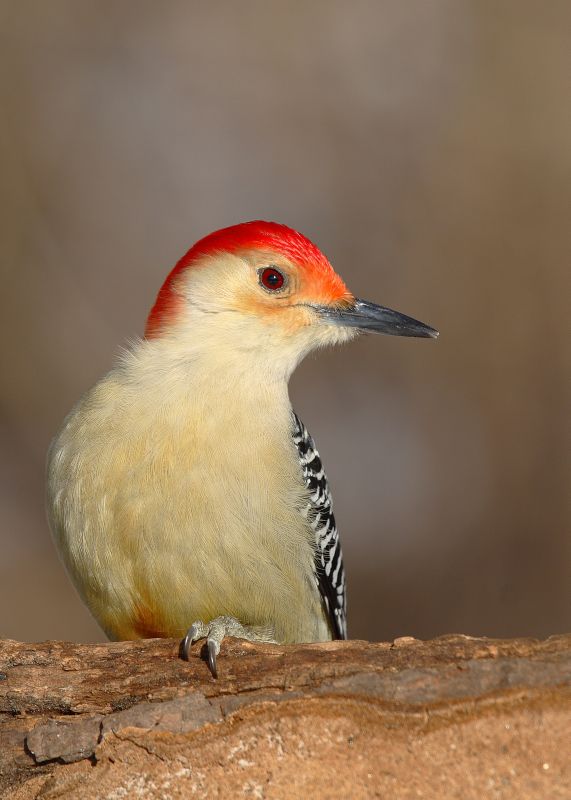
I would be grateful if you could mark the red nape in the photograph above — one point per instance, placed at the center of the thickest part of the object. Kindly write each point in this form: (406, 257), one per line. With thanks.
(270, 236)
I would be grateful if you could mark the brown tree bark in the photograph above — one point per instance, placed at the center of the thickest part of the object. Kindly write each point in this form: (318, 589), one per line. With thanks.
(454, 717)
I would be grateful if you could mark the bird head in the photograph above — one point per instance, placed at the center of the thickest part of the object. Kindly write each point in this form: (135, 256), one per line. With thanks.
(263, 288)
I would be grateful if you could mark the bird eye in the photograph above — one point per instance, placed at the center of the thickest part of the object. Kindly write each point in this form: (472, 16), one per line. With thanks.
(271, 278)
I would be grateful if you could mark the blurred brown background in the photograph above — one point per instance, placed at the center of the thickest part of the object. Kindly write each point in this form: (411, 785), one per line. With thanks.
(426, 147)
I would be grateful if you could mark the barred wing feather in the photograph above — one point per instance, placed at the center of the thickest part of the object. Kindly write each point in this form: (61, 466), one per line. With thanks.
(328, 565)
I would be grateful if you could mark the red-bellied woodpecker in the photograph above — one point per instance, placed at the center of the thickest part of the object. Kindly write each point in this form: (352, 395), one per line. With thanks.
(182, 489)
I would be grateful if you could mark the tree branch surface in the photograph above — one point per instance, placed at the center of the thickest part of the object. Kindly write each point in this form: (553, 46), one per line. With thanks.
(456, 717)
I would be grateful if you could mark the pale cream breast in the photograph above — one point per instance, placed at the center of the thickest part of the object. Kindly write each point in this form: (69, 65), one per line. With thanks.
(182, 504)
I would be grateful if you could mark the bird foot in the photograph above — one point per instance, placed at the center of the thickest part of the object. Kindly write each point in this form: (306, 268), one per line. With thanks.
(215, 631)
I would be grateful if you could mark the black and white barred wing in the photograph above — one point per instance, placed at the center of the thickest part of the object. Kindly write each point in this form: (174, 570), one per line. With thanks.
(329, 571)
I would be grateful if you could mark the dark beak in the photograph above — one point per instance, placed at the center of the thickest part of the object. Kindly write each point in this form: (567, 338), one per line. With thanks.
(377, 319)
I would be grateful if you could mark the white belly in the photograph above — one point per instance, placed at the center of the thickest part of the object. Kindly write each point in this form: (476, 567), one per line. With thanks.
(170, 513)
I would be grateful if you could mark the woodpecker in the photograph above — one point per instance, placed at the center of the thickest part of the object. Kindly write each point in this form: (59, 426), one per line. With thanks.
(184, 494)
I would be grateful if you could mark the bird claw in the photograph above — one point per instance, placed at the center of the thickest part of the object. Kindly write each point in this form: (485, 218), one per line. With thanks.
(197, 630)
(215, 631)
(213, 650)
